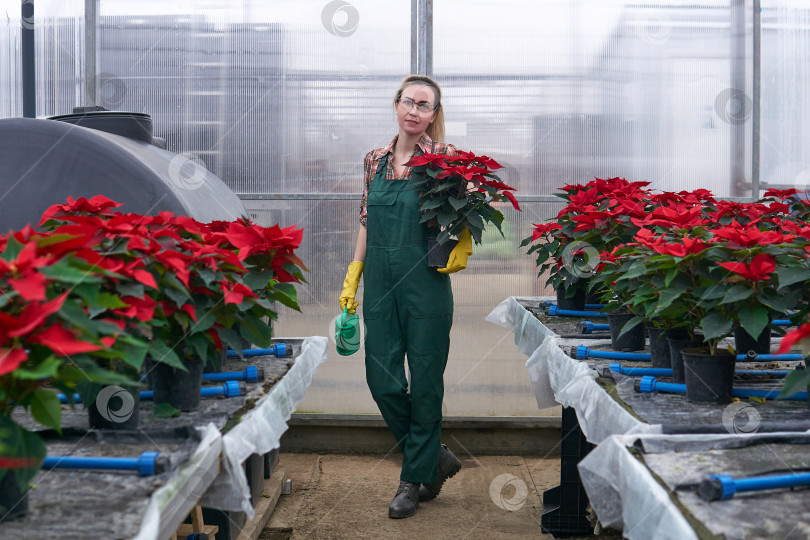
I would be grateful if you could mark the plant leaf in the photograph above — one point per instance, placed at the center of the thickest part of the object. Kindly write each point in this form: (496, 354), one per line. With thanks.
(46, 409)
(796, 381)
(165, 410)
(714, 325)
(753, 319)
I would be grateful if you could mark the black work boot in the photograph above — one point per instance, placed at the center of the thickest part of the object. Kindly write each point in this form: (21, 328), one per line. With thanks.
(449, 465)
(405, 502)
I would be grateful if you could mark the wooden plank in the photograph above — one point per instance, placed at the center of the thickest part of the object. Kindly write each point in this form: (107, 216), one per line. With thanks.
(264, 509)
(186, 529)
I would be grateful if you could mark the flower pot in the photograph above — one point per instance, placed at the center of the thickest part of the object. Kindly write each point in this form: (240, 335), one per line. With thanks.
(594, 296)
(214, 365)
(439, 253)
(119, 408)
(13, 502)
(676, 359)
(572, 298)
(632, 340)
(709, 378)
(659, 345)
(744, 342)
(180, 389)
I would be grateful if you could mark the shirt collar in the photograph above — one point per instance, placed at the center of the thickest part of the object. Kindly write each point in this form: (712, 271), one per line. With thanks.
(423, 146)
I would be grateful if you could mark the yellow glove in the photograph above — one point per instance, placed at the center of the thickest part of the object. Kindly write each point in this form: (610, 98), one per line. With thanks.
(458, 257)
(350, 286)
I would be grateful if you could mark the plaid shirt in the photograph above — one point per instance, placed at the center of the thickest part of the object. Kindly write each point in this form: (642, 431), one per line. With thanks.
(373, 158)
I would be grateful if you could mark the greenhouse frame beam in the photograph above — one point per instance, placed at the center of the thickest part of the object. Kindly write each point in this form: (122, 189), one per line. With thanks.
(28, 59)
(90, 51)
(756, 96)
(422, 37)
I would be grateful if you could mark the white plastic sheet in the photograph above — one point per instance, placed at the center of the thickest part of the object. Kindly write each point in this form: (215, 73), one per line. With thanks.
(170, 504)
(625, 495)
(260, 430)
(529, 332)
(559, 379)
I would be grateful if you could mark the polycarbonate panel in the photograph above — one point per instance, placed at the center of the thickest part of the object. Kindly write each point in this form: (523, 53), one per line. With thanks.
(59, 52)
(567, 91)
(273, 97)
(485, 375)
(785, 130)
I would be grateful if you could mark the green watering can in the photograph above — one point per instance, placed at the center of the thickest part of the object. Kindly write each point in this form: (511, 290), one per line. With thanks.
(347, 333)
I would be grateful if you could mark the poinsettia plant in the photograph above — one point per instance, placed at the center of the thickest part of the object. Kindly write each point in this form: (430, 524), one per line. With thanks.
(597, 218)
(712, 265)
(458, 191)
(91, 293)
(191, 283)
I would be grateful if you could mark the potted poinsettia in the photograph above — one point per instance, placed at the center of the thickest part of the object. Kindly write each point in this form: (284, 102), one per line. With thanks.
(188, 283)
(597, 218)
(458, 192)
(46, 341)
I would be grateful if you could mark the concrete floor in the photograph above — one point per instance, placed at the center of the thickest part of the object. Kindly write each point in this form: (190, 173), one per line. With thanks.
(347, 496)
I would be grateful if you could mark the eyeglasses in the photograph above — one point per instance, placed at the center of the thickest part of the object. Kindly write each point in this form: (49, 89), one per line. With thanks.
(422, 106)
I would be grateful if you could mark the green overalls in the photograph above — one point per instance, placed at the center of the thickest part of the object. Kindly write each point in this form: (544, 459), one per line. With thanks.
(408, 309)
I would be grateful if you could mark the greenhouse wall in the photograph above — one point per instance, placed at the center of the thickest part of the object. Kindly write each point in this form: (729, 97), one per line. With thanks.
(282, 99)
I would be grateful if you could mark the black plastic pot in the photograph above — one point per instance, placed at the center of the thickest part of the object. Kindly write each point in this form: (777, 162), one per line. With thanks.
(120, 409)
(13, 502)
(594, 296)
(214, 364)
(744, 342)
(632, 340)
(659, 345)
(439, 253)
(709, 378)
(675, 357)
(180, 389)
(572, 298)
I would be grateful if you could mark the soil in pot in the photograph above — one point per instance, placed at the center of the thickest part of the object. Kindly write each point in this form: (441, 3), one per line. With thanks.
(632, 340)
(180, 389)
(572, 298)
(676, 359)
(115, 407)
(439, 253)
(709, 378)
(744, 342)
(13, 502)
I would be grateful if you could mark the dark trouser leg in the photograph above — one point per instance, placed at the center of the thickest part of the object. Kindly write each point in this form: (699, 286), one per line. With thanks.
(428, 344)
(385, 373)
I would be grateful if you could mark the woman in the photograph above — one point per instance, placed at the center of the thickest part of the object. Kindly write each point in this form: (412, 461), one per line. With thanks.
(408, 306)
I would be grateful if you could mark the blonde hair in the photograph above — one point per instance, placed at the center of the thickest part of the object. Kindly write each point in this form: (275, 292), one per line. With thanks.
(436, 129)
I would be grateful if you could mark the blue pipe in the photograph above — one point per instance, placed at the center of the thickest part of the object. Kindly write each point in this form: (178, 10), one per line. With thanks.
(768, 357)
(723, 487)
(781, 322)
(279, 349)
(229, 389)
(583, 353)
(147, 464)
(249, 374)
(554, 310)
(655, 372)
(666, 372)
(649, 384)
(587, 327)
(588, 307)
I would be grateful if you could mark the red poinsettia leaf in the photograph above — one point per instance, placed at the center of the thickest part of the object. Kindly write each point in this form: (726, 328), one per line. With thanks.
(10, 359)
(62, 341)
(145, 277)
(30, 286)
